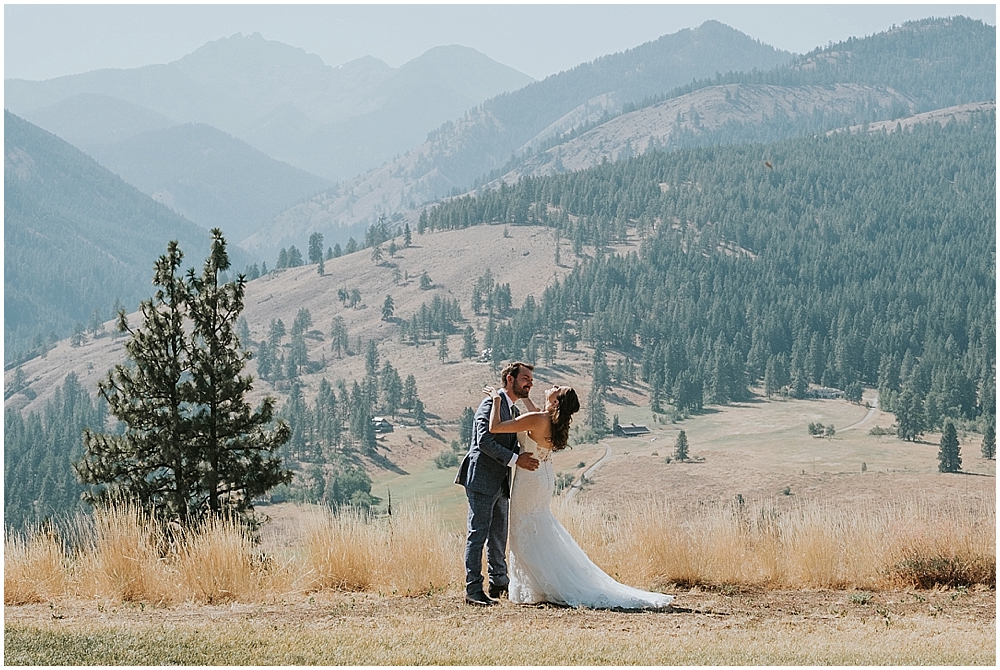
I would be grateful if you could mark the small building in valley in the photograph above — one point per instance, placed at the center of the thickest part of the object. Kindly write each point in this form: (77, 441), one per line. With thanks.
(825, 393)
(630, 430)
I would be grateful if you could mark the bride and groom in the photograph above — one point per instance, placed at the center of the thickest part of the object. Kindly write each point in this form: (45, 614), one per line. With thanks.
(546, 564)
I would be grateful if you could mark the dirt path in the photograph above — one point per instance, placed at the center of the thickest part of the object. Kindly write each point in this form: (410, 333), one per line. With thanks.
(872, 411)
(578, 482)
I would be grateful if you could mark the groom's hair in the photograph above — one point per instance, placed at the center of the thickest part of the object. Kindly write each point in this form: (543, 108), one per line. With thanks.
(512, 369)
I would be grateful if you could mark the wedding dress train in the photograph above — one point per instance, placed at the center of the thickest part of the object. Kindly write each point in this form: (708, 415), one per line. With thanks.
(545, 563)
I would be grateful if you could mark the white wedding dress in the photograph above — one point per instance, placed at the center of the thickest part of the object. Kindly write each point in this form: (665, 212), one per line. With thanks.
(545, 564)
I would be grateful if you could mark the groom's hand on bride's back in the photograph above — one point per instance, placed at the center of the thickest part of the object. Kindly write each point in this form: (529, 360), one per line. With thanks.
(527, 461)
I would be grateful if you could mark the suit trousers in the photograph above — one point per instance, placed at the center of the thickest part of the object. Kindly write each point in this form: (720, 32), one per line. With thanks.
(487, 526)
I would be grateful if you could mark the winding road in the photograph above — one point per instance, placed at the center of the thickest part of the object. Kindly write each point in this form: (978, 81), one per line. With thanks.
(578, 482)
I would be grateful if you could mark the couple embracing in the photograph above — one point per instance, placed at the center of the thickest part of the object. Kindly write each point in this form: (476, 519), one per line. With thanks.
(546, 564)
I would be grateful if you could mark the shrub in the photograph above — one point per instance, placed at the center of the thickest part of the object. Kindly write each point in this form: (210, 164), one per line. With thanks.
(446, 459)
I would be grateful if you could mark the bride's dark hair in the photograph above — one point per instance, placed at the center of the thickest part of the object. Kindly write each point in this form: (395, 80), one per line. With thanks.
(567, 404)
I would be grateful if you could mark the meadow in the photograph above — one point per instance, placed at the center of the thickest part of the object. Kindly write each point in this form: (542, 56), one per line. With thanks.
(892, 565)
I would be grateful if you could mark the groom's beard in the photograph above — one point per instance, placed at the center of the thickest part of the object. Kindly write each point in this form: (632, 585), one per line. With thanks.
(519, 391)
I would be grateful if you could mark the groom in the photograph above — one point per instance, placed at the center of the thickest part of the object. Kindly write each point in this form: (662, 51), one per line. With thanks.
(485, 474)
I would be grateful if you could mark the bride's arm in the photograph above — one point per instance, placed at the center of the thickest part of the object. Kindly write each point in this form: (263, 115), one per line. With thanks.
(528, 421)
(530, 406)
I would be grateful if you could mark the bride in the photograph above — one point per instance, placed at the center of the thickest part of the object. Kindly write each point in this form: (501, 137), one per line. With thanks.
(546, 564)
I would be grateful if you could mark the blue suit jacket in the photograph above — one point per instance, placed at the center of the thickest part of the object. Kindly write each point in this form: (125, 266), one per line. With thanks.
(485, 468)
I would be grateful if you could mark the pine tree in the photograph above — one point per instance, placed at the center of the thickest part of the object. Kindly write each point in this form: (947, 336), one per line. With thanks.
(371, 359)
(597, 415)
(949, 459)
(443, 347)
(316, 248)
(339, 338)
(419, 415)
(191, 446)
(681, 447)
(149, 460)
(388, 308)
(409, 392)
(469, 343)
(465, 426)
(236, 444)
(990, 440)
(909, 414)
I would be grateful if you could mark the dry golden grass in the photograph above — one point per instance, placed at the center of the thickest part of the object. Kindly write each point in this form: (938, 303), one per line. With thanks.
(118, 557)
(877, 546)
(648, 544)
(34, 568)
(751, 585)
(219, 563)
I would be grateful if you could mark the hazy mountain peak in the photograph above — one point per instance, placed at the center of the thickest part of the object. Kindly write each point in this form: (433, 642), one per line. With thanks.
(248, 52)
(364, 63)
(455, 66)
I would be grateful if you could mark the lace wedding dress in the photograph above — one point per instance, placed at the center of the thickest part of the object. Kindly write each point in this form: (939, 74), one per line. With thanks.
(545, 563)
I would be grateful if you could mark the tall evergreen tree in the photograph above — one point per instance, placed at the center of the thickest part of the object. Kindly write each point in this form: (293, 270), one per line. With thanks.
(316, 248)
(989, 447)
(681, 447)
(192, 445)
(909, 414)
(469, 343)
(237, 446)
(443, 347)
(150, 460)
(949, 458)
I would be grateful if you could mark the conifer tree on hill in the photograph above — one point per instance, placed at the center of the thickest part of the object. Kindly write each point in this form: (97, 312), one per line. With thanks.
(949, 458)
(989, 446)
(191, 445)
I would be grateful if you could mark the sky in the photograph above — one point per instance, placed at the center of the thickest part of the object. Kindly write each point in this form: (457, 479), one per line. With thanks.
(43, 41)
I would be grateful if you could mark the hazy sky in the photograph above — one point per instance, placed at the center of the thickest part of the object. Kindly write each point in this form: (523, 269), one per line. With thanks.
(45, 41)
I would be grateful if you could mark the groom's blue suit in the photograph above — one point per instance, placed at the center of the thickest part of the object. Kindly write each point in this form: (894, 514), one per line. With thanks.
(485, 474)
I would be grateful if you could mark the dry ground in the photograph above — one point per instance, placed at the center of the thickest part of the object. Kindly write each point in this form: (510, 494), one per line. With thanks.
(732, 627)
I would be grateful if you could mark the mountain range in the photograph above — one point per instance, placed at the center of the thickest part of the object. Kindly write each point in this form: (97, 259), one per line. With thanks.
(826, 220)
(915, 67)
(333, 121)
(189, 134)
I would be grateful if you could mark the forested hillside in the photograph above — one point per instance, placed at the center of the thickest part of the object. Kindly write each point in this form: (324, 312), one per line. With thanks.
(39, 449)
(938, 62)
(76, 238)
(843, 260)
(918, 67)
